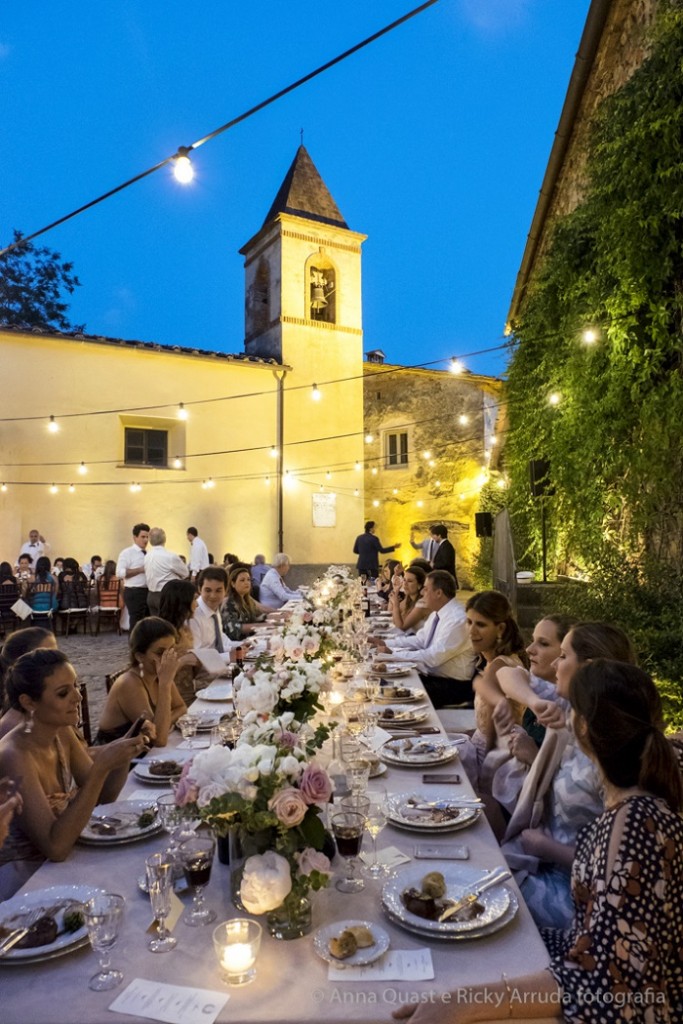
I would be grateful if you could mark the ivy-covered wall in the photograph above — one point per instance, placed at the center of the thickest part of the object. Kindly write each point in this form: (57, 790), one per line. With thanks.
(614, 438)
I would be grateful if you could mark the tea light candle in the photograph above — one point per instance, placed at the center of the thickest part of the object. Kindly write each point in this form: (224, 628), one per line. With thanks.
(237, 943)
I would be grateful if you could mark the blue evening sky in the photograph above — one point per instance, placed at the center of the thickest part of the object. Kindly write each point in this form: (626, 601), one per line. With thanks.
(433, 142)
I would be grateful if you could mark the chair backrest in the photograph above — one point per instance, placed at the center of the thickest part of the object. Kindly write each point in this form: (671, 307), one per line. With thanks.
(108, 593)
(40, 596)
(73, 592)
(85, 714)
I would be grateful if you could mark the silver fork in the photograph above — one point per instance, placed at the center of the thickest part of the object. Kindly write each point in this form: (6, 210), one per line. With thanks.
(10, 941)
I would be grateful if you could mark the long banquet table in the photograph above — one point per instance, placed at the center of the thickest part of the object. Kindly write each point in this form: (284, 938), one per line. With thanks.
(292, 983)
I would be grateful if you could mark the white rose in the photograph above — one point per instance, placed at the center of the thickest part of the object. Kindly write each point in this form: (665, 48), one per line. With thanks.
(266, 881)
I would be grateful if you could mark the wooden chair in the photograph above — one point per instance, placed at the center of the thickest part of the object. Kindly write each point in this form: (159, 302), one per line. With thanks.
(74, 604)
(9, 593)
(41, 598)
(107, 605)
(85, 715)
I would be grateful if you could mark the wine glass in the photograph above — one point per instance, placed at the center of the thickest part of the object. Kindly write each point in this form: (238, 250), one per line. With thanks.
(178, 822)
(196, 856)
(357, 775)
(160, 885)
(375, 820)
(347, 828)
(188, 728)
(103, 914)
(357, 803)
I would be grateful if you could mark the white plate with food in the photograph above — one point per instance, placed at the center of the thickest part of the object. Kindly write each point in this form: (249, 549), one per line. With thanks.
(356, 943)
(125, 821)
(417, 813)
(398, 694)
(216, 691)
(475, 933)
(392, 670)
(415, 899)
(159, 771)
(400, 717)
(415, 751)
(65, 932)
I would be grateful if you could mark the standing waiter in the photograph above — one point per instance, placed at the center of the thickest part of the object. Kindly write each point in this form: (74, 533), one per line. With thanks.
(131, 569)
(368, 548)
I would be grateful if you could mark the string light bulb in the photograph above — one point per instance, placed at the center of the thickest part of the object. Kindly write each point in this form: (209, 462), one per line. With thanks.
(374, 470)
(54, 489)
(3, 488)
(437, 483)
(554, 398)
(369, 439)
(182, 412)
(273, 452)
(316, 393)
(210, 483)
(375, 503)
(356, 493)
(72, 489)
(328, 475)
(420, 504)
(357, 467)
(267, 480)
(456, 367)
(53, 426)
(589, 336)
(463, 419)
(395, 490)
(82, 469)
(426, 455)
(183, 171)
(177, 462)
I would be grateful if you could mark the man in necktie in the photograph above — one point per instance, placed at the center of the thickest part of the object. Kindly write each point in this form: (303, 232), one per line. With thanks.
(36, 546)
(206, 625)
(441, 649)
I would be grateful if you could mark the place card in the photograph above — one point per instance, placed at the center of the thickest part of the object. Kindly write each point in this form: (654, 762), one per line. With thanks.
(177, 907)
(146, 794)
(173, 1004)
(379, 738)
(196, 743)
(395, 965)
(390, 857)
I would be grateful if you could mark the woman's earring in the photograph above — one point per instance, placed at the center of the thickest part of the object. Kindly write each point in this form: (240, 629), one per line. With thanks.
(141, 670)
(28, 725)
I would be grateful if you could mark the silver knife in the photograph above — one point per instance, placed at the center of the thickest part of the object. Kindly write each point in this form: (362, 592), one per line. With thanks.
(472, 896)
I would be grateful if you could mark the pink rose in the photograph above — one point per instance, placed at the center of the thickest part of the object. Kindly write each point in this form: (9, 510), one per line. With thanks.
(186, 791)
(315, 785)
(288, 806)
(286, 739)
(312, 860)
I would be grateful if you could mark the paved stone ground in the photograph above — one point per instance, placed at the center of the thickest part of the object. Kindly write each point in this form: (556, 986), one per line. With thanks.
(95, 657)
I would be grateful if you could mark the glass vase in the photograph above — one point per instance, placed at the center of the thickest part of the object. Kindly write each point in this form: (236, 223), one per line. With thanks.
(243, 845)
(292, 919)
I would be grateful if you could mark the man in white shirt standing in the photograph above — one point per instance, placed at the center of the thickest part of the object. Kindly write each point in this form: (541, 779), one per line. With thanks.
(441, 649)
(131, 569)
(273, 593)
(35, 546)
(199, 553)
(160, 567)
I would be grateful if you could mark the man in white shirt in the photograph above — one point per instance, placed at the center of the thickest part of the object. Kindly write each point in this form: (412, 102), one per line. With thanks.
(160, 567)
(131, 568)
(35, 546)
(199, 553)
(441, 649)
(273, 593)
(205, 624)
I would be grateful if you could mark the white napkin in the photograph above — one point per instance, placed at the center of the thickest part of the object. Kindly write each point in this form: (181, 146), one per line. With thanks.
(389, 857)
(173, 1004)
(379, 737)
(395, 965)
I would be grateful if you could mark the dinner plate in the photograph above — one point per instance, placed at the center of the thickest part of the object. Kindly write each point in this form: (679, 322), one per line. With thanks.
(362, 957)
(394, 752)
(66, 942)
(392, 671)
(475, 933)
(142, 770)
(379, 769)
(415, 696)
(207, 717)
(216, 691)
(402, 718)
(400, 815)
(459, 880)
(129, 831)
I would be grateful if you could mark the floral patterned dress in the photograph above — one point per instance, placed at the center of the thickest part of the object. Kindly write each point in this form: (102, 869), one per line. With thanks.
(622, 959)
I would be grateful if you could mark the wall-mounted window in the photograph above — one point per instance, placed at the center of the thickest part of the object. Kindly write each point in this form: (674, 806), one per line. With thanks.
(396, 449)
(145, 447)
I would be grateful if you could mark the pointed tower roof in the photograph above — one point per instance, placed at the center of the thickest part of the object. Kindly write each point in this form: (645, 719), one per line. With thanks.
(303, 193)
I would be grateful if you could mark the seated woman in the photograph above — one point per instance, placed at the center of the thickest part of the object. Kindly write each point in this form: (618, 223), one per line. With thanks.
(564, 783)
(385, 581)
(72, 586)
(622, 957)
(17, 644)
(10, 804)
(42, 592)
(147, 687)
(408, 612)
(58, 782)
(110, 587)
(240, 611)
(177, 605)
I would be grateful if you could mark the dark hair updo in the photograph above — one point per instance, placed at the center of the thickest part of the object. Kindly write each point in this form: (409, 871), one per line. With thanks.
(27, 676)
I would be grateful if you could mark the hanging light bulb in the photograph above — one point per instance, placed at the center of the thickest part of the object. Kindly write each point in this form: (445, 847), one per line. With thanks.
(369, 439)
(356, 493)
(589, 336)
(357, 466)
(72, 489)
(432, 463)
(395, 490)
(554, 398)
(316, 393)
(183, 170)
(456, 367)
(420, 504)
(53, 426)
(437, 483)
(463, 420)
(267, 480)
(3, 488)
(375, 503)
(182, 412)
(54, 489)
(203, 485)
(374, 470)
(273, 452)
(426, 455)
(328, 475)
(322, 488)
(494, 439)
(210, 483)
(177, 462)
(82, 469)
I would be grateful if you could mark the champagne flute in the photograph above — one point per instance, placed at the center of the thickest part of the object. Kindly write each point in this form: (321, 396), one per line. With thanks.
(103, 914)
(160, 884)
(347, 828)
(375, 820)
(177, 821)
(188, 728)
(196, 856)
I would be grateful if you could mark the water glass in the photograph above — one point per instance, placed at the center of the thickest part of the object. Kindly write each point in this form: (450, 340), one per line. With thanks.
(103, 915)
(357, 775)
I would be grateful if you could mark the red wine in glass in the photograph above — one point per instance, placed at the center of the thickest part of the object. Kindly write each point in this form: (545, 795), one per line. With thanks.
(198, 870)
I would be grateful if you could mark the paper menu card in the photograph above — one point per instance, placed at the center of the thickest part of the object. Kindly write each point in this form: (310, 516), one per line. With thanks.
(174, 1004)
(395, 965)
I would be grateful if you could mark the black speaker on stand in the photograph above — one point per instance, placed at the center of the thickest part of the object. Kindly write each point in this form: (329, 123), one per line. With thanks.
(483, 524)
(539, 472)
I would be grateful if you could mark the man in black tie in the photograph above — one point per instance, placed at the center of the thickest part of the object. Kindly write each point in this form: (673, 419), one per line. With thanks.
(36, 546)
(443, 552)
(131, 568)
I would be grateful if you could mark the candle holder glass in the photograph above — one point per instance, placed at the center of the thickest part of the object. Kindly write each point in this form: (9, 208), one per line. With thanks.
(237, 943)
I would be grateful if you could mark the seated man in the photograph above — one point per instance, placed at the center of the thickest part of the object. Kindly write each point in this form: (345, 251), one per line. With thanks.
(441, 649)
(273, 592)
(211, 645)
